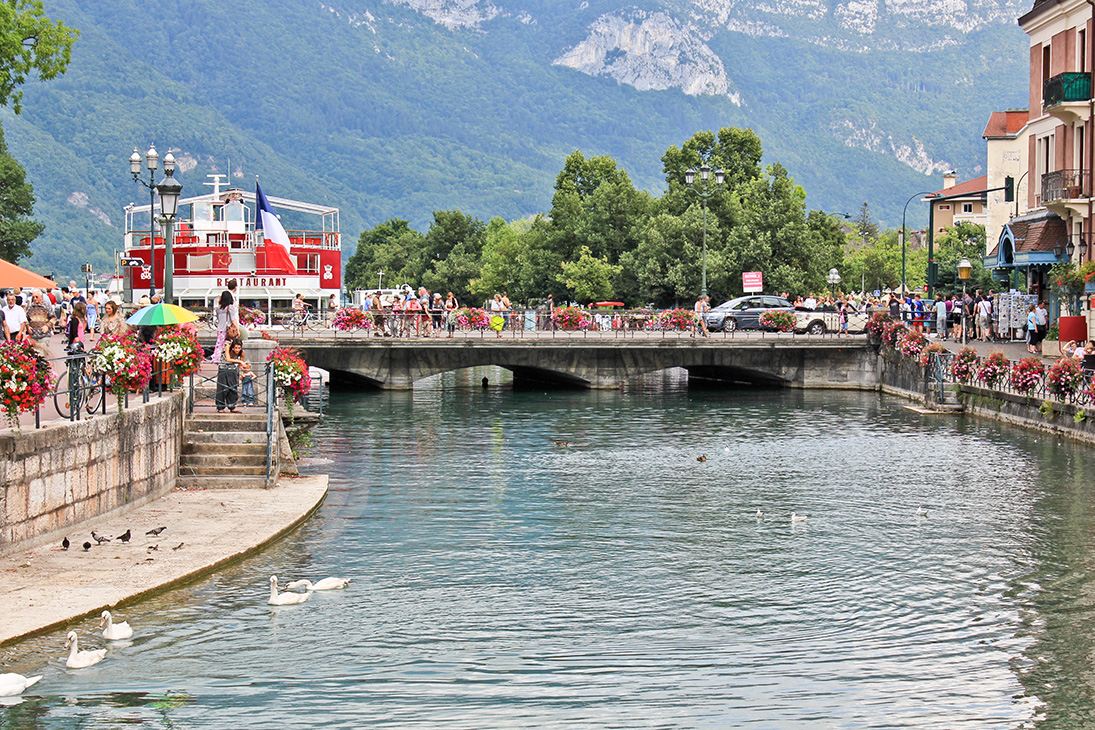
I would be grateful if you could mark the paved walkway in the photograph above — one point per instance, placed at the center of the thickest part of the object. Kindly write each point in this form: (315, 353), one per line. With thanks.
(44, 587)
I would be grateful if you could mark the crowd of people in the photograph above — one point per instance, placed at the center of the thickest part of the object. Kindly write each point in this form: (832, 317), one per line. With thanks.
(36, 315)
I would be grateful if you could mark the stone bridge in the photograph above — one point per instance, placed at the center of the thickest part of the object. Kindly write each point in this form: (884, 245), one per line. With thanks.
(593, 362)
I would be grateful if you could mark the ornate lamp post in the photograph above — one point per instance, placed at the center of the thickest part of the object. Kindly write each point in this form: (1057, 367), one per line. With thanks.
(964, 270)
(834, 279)
(705, 174)
(151, 163)
(169, 190)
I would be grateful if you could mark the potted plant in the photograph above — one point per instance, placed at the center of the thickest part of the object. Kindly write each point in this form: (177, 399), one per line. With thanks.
(25, 377)
(993, 369)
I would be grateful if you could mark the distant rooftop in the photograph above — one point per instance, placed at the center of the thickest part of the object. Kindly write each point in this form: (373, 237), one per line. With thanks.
(1005, 124)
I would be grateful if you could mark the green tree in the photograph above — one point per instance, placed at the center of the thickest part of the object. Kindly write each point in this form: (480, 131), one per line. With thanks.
(392, 247)
(17, 229)
(30, 43)
(504, 266)
(589, 277)
(962, 240)
(448, 258)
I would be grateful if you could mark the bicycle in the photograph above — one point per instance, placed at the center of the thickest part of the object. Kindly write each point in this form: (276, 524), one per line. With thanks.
(297, 319)
(88, 391)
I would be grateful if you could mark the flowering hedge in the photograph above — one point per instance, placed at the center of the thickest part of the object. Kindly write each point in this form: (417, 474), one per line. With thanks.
(348, 318)
(25, 378)
(964, 366)
(126, 362)
(470, 318)
(911, 344)
(1065, 378)
(993, 369)
(571, 318)
(249, 316)
(178, 351)
(1026, 374)
(676, 319)
(290, 372)
(927, 352)
(778, 320)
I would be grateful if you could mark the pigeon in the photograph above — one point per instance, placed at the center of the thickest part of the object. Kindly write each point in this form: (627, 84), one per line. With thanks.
(701, 457)
(157, 531)
(98, 538)
(65, 543)
(87, 546)
(178, 546)
(124, 537)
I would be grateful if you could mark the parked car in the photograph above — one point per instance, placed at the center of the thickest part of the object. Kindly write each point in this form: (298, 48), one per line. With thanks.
(743, 312)
(826, 319)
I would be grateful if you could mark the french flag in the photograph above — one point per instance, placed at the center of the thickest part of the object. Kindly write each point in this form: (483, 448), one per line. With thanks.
(274, 237)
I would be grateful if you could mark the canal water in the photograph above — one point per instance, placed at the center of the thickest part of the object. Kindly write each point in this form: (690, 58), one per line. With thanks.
(564, 559)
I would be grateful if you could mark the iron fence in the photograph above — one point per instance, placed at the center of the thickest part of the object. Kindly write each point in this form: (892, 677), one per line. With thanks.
(941, 376)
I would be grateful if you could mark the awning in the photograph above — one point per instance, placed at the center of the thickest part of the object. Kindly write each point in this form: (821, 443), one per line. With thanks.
(12, 276)
(1029, 240)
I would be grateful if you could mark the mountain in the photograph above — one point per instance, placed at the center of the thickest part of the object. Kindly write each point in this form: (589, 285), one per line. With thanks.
(399, 108)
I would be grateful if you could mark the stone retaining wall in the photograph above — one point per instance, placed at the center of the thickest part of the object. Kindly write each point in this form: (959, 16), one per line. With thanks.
(68, 472)
(1028, 412)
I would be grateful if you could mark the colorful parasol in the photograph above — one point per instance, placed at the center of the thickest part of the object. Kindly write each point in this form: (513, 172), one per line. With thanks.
(160, 314)
(12, 276)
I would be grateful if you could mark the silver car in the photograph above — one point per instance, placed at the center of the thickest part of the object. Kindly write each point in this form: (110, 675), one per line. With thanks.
(743, 312)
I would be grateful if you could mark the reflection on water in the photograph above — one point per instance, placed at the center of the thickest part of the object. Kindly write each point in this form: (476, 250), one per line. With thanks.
(504, 580)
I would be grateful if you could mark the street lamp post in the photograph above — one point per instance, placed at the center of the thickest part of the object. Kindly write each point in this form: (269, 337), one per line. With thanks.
(169, 190)
(834, 279)
(151, 163)
(904, 235)
(964, 270)
(705, 174)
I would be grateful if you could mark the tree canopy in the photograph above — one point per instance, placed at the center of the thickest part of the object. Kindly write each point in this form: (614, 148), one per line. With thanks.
(30, 43)
(17, 229)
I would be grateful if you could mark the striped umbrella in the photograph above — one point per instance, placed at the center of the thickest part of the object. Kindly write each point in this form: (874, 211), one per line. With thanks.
(160, 314)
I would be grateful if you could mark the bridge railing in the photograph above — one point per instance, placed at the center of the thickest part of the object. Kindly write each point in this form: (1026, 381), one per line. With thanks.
(941, 373)
(524, 325)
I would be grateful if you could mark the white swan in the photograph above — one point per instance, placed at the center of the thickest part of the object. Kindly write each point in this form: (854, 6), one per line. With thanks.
(327, 584)
(797, 518)
(760, 515)
(115, 631)
(921, 512)
(14, 684)
(79, 659)
(284, 599)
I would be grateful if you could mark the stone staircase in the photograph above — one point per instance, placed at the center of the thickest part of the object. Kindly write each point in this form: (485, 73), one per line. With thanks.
(226, 451)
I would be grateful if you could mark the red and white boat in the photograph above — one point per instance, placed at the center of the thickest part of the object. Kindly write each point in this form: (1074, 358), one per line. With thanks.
(215, 240)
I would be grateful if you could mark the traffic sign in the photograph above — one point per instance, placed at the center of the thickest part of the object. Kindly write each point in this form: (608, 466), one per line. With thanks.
(752, 281)
(131, 262)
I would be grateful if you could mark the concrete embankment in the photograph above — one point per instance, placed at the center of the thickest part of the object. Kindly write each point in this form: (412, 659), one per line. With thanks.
(45, 587)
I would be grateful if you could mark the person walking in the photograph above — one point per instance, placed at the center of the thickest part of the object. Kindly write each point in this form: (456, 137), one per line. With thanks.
(228, 377)
(700, 324)
(227, 314)
(451, 305)
(1032, 330)
(112, 322)
(984, 319)
(15, 318)
(1041, 320)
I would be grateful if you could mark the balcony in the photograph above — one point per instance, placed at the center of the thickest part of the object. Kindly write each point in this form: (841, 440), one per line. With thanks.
(1063, 191)
(1066, 96)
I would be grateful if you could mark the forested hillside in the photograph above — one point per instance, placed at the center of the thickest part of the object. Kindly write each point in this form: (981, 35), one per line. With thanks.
(397, 110)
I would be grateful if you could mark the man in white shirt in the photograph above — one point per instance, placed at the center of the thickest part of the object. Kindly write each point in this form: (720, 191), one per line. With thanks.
(984, 319)
(810, 302)
(14, 318)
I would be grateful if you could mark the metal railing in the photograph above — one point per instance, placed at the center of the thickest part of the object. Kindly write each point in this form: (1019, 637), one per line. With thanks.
(1065, 87)
(1065, 184)
(941, 377)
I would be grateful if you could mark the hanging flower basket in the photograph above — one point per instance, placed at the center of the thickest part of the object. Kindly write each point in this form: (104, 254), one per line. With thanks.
(964, 367)
(347, 319)
(470, 318)
(876, 324)
(675, 320)
(892, 333)
(1026, 374)
(993, 369)
(25, 377)
(571, 319)
(291, 373)
(911, 344)
(125, 361)
(775, 319)
(1066, 378)
(178, 352)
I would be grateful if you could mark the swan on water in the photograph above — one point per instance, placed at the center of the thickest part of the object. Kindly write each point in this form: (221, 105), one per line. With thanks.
(797, 518)
(14, 684)
(79, 659)
(327, 584)
(115, 631)
(284, 599)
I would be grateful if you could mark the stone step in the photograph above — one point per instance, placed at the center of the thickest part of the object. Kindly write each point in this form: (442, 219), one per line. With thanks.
(221, 482)
(217, 459)
(226, 437)
(230, 422)
(223, 471)
(229, 448)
